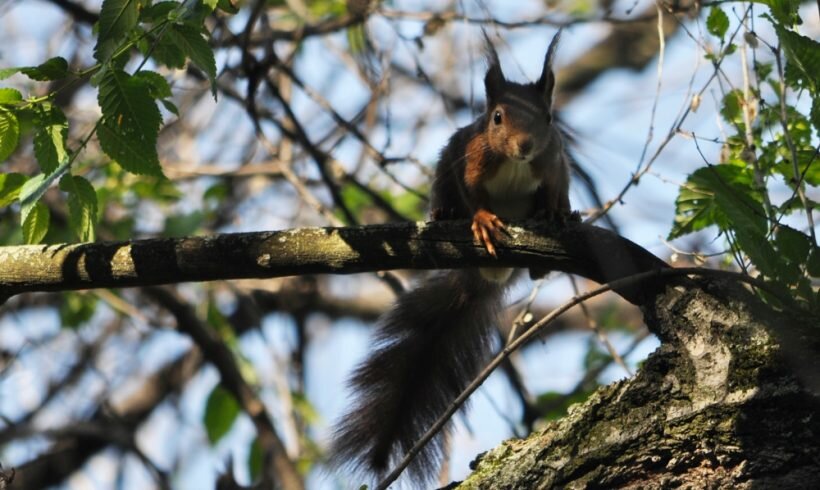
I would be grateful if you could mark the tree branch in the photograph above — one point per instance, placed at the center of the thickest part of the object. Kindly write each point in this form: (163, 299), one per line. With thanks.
(588, 251)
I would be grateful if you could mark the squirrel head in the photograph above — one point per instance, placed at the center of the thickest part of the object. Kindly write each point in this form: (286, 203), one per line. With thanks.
(519, 116)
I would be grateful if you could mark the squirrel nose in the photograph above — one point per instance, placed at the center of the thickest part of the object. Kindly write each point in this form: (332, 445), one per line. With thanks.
(525, 146)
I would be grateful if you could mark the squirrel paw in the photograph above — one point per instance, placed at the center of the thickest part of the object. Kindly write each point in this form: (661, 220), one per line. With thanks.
(487, 227)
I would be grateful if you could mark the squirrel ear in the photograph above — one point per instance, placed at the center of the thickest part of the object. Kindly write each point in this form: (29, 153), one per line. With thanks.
(546, 83)
(494, 79)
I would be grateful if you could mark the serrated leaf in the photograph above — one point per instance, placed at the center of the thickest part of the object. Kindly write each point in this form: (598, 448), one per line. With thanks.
(130, 123)
(158, 11)
(221, 410)
(803, 53)
(196, 47)
(793, 245)
(157, 85)
(785, 11)
(9, 133)
(761, 253)
(742, 211)
(50, 137)
(717, 195)
(10, 185)
(717, 23)
(52, 69)
(117, 18)
(166, 52)
(82, 206)
(35, 223)
(10, 96)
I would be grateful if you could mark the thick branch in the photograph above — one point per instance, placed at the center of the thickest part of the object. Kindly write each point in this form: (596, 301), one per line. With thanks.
(585, 250)
(729, 400)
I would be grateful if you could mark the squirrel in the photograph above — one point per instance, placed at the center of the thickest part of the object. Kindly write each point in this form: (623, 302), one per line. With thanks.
(510, 163)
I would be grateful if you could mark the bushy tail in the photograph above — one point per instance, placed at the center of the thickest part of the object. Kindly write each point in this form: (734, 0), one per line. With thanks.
(428, 349)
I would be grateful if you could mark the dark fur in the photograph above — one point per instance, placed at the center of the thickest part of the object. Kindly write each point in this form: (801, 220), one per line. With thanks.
(437, 337)
(428, 348)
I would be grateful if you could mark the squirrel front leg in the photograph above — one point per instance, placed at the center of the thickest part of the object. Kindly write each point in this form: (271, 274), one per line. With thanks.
(487, 227)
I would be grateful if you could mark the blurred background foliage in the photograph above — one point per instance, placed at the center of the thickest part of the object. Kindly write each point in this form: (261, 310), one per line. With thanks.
(126, 119)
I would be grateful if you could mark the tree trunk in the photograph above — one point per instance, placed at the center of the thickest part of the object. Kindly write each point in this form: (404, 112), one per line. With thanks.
(729, 400)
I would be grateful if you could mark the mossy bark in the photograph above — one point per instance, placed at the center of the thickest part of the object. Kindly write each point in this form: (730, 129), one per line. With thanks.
(729, 400)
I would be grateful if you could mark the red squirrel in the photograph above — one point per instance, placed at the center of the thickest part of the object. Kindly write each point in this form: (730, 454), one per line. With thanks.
(509, 163)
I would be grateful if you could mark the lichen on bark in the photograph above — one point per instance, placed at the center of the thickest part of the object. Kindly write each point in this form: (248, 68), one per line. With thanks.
(717, 405)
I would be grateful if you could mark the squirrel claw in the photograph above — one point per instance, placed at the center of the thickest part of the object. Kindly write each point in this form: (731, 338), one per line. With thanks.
(487, 227)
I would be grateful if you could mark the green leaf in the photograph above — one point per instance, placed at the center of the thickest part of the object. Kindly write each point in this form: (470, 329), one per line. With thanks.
(77, 308)
(763, 70)
(10, 96)
(760, 252)
(34, 188)
(785, 11)
(742, 211)
(158, 11)
(256, 460)
(813, 264)
(10, 185)
(130, 124)
(166, 52)
(196, 47)
(793, 245)
(180, 225)
(718, 195)
(50, 137)
(731, 107)
(9, 133)
(35, 223)
(221, 410)
(170, 107)
(82, 206)
(228, 6)
(117, 18)
(157, 85)
(809, 170)
(803, 53)
(52, 69)
(717, 23)
(30, 192)
(210, 3)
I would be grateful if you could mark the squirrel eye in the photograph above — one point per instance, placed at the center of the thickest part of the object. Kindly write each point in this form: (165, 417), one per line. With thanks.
(497, 117)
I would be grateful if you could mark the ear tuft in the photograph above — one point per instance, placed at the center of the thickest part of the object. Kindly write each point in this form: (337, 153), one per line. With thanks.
(494, 79)
(546, 83)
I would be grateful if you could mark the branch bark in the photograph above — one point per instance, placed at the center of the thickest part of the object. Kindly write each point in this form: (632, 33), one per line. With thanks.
(588, 251)
(729, 400)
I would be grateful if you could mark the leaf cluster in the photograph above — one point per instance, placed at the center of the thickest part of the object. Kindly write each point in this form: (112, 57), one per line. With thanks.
(774, 144)
(130, 33)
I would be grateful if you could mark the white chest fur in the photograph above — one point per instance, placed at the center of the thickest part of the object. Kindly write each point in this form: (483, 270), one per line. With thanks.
(511, 189)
